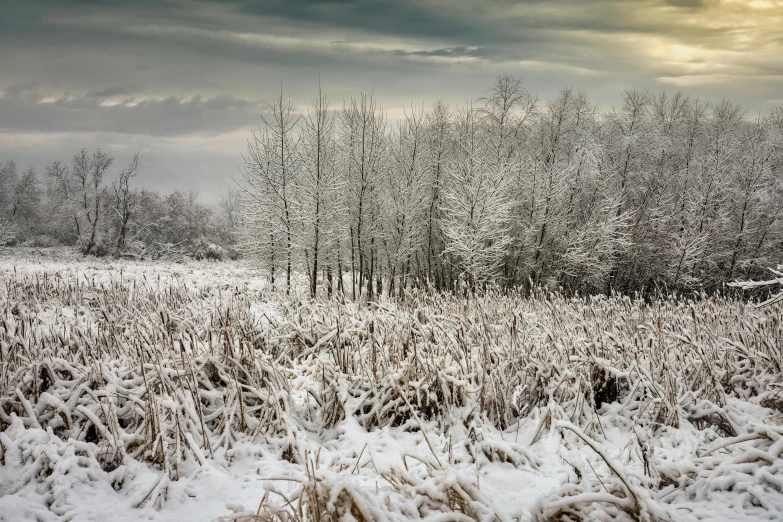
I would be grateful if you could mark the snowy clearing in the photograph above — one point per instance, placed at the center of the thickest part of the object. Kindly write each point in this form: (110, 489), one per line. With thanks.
(194, 391)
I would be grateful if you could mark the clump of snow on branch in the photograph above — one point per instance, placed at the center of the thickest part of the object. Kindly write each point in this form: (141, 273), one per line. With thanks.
(777, 281)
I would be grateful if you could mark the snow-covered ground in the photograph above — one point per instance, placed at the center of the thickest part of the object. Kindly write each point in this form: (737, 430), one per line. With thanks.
(196, 391)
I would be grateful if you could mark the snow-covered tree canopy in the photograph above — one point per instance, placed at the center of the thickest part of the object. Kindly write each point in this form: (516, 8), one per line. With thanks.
(662, 192)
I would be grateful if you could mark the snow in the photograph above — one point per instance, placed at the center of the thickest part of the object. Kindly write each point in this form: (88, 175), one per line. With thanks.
(433, 408)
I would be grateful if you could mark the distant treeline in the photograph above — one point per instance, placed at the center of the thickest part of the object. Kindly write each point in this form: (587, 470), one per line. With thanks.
(664, 192)
(74, 203)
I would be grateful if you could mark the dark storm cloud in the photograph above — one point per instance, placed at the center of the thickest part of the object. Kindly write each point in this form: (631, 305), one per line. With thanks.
(389, 17)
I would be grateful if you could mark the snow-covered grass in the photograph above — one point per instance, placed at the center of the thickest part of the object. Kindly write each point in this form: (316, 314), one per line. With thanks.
(197, 392)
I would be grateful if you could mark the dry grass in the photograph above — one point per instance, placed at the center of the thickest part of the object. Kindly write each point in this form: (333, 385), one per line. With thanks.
(168, 373)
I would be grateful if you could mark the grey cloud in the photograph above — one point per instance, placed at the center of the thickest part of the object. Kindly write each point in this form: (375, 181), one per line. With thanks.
(109, 92)
(690, 4)
(171, 116)
(387, 17)
(450, 52)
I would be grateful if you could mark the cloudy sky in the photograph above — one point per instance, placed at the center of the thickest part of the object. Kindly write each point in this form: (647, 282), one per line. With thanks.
(183, 82)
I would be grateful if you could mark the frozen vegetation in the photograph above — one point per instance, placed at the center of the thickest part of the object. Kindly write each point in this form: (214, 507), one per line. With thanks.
(196, 391)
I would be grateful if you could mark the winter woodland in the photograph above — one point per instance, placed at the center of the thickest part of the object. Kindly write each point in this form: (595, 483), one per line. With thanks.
(662, 193)
(512, 310)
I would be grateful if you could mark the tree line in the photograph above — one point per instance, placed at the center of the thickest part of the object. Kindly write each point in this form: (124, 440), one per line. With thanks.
(663, 192)
(77, 204)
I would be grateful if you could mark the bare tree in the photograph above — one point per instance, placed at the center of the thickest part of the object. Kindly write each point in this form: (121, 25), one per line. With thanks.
(363, 140)
(438, 148)
(552, 159)
(505, 110)
(26, 204)
(6, 231)
(9, 177)
(88, 173)
(717, 165)
(320, 208)
(624, 148)
(685, 240)
(271, 167)
(126, 200)
(476, 204)
(405, 196)
(229, 204)
(61, 204)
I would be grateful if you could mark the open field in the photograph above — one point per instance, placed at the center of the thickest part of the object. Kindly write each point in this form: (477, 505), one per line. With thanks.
(196, 392)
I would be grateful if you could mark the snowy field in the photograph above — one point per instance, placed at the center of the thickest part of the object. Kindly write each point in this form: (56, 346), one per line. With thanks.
(144, 391)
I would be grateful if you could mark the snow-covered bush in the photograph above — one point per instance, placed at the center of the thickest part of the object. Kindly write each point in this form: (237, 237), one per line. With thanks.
(44, 241)
(204, 250)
